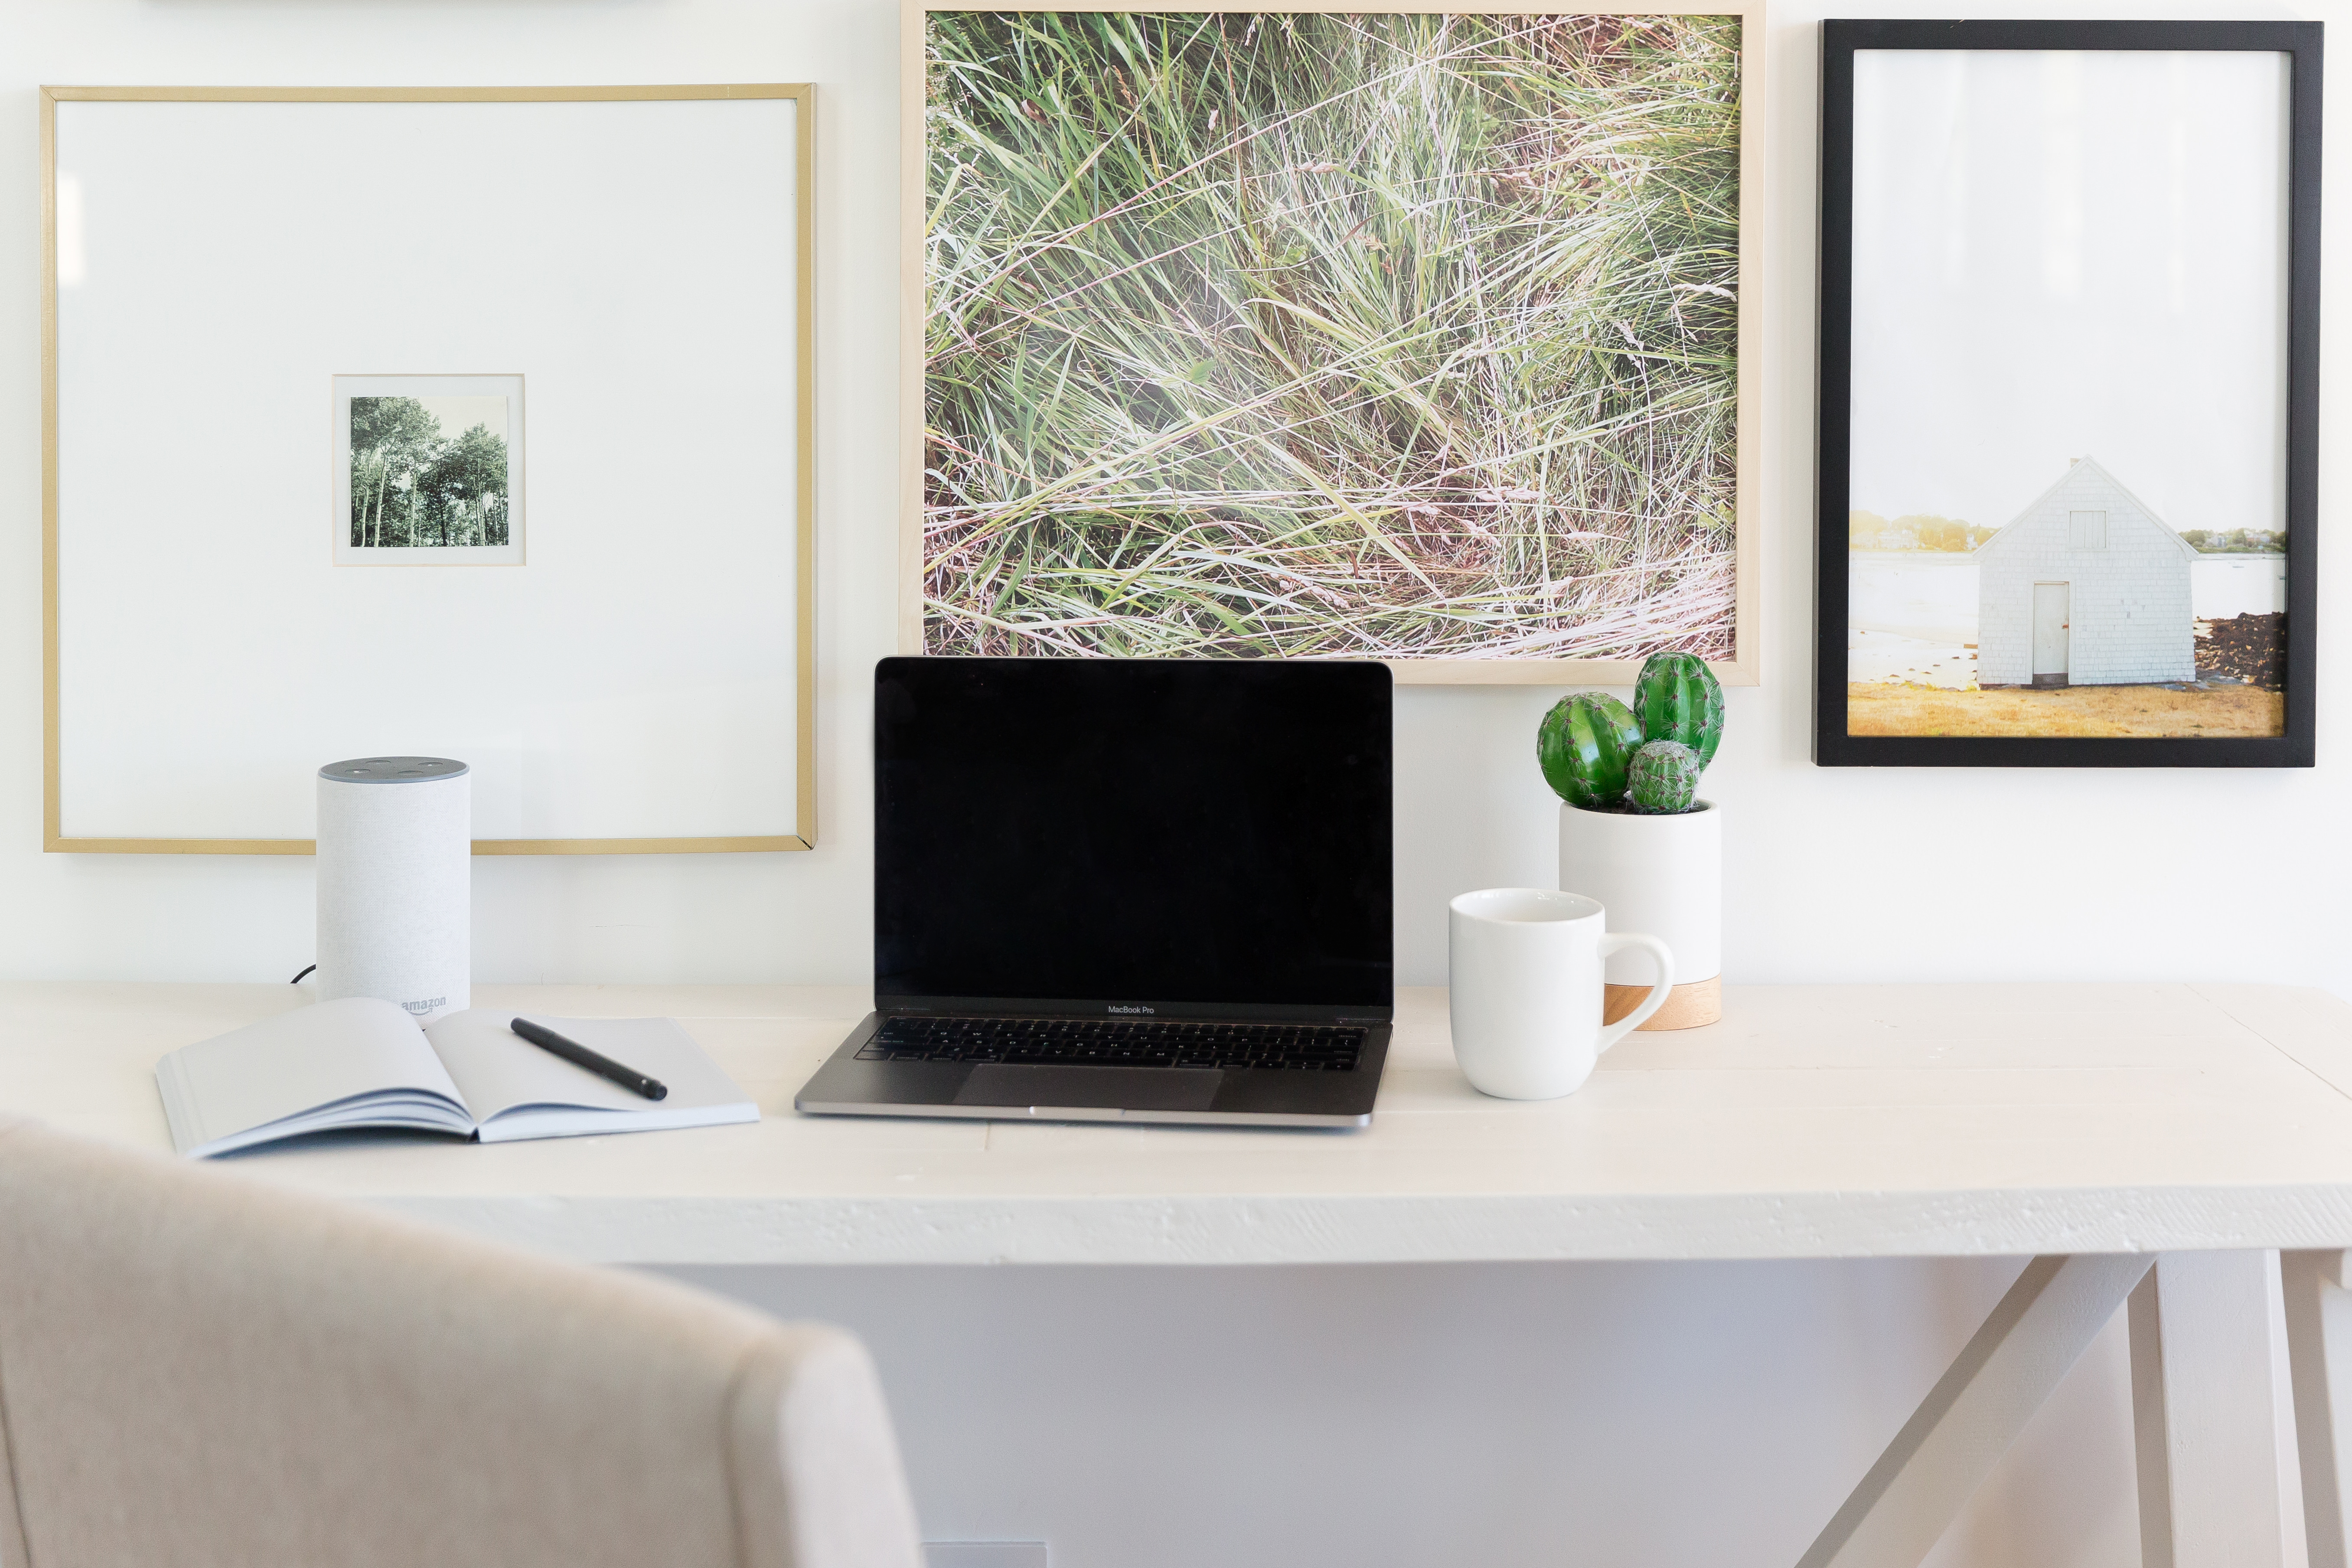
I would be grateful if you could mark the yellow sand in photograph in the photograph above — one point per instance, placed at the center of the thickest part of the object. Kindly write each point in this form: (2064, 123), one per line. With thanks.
(1892, 709)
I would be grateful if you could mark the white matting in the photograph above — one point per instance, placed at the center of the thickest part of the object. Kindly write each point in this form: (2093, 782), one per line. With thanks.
(632, 261)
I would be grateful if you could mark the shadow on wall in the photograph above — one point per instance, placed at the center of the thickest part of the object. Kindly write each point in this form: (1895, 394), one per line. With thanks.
(1647, 1416)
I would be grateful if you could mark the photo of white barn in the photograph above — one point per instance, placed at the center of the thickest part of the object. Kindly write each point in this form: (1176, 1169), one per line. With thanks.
(2085, 588)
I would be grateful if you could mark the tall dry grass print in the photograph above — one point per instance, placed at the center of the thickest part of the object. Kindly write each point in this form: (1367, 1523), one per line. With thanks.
(1387, 336)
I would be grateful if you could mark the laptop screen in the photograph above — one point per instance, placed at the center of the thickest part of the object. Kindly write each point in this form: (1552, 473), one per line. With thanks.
(1186, 837)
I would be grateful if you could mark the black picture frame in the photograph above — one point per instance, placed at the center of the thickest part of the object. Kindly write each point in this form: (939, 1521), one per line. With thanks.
(1840, 39)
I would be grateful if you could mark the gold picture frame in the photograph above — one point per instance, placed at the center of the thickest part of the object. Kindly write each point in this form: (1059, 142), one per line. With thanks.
(1744, 665)
(801, 548)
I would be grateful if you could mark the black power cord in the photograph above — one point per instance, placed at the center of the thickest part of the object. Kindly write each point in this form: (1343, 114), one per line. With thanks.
(298, 979)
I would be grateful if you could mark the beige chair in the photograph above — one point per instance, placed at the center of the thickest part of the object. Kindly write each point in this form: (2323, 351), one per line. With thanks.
(197, 1369)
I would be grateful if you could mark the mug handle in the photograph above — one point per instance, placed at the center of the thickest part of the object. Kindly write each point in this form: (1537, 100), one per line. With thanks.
(1618, 941)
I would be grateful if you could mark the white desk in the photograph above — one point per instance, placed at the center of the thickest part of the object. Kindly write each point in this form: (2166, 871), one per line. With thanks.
(2071, 1121)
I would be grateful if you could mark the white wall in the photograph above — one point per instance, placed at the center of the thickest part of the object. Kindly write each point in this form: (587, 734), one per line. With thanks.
(1691, 1415)
(1832, 874)
(1500, 1415)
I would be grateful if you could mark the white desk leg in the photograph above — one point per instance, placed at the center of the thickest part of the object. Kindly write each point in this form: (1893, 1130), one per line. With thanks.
(2320, 1349)
(1976, 1410)
(2205, 1425)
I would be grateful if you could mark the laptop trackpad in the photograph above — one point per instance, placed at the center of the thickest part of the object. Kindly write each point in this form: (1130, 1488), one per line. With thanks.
(1128, 1088)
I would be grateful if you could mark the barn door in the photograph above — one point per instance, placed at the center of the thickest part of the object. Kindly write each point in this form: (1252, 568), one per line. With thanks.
(2051, 632)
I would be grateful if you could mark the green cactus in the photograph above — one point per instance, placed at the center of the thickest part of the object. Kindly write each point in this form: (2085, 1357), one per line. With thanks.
(1584, 744)
(1678, 698)
(1662, 778)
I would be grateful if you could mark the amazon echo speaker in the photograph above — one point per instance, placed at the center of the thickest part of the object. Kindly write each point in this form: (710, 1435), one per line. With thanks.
(396, 846)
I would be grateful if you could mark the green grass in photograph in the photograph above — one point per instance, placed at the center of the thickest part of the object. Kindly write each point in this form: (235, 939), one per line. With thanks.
(1392, 336)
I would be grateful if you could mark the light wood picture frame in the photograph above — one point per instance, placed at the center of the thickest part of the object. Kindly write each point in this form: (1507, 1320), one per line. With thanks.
(643, 255)
(1068, 488)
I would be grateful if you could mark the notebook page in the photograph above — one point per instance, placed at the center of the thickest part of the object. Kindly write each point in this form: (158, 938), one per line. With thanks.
(309, 1061)
(500, 1072)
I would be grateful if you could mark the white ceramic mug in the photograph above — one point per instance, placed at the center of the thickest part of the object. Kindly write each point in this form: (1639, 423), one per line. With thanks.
(1525, 970)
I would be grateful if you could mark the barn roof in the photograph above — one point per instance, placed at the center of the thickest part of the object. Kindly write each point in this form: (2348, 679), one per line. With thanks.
(2186, 549)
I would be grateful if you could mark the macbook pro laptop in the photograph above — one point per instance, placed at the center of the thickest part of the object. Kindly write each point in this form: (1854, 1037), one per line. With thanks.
(1126, 889)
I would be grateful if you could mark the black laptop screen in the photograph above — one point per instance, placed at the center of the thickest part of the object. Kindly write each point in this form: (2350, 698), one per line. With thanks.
(1169, 833)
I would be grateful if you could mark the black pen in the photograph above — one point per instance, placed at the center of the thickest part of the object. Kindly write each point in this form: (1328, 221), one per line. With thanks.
(580, 1056)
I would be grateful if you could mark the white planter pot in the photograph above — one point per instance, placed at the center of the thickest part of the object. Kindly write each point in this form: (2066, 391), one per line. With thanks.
(1662, 876)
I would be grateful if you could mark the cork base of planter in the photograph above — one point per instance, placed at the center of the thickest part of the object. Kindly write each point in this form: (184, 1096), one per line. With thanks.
(1687, 1006)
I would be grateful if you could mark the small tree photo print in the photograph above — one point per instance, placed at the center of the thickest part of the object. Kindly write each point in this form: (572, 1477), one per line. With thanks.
(429, 474)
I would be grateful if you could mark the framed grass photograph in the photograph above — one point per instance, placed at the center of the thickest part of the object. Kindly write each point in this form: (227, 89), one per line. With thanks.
(1377, 332)
(2069, 411)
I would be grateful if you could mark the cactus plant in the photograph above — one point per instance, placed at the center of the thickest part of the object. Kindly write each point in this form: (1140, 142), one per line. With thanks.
(1662, 778)
(1598, 756)
(1678, 698)
(1584, 744)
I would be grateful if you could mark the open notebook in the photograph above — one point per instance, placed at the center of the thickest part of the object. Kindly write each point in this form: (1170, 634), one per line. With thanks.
(359, 1062)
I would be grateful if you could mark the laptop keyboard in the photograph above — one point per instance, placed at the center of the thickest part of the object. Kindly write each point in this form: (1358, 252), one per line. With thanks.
(1115, 1042)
